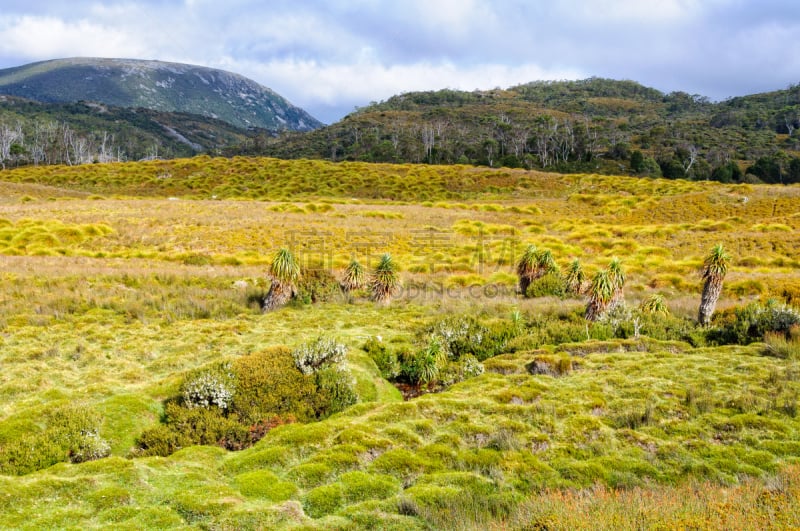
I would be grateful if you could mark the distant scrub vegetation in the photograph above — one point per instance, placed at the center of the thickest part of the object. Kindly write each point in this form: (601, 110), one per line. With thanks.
(594, 125)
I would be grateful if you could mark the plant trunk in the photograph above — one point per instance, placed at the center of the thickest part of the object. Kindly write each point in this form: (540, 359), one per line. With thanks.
(595, 310)
(278, 295)
(711, 291)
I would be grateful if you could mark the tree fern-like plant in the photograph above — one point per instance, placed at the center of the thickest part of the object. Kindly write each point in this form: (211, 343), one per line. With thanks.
(526, 268)
(284, 272)
(654, 305)
(545, 264)
(385, 281)
(601, 293)
(573, 282)
(617, 277)
(355, 277)
(715, 267)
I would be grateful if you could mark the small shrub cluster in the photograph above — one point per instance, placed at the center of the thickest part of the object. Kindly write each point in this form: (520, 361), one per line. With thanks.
(550, 285)
(234, 405)
(311, 357)
(208, 388)
(749, 324)
(71, 434)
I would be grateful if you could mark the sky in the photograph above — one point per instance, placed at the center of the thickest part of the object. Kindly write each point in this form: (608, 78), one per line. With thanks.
(332, 56)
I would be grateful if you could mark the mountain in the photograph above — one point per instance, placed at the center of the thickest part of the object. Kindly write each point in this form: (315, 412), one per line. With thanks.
(159, 86)
(593, 125)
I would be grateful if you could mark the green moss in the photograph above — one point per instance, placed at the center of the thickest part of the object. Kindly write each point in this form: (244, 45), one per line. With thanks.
(264, 484)
(360, 486)
(271, 457)
(308, 475)
(399, 462)
(323, 500)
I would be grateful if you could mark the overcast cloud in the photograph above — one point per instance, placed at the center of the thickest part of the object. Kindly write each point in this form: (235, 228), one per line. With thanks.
(330, 56)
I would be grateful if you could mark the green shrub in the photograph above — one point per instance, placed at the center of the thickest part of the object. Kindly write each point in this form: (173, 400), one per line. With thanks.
(384, 358)
(335, 391)
(316, 286)
(749, 324)
(183, 426)
(550, 285)
(212, 387)
(323, 352)
(71, 433)
(268, 383)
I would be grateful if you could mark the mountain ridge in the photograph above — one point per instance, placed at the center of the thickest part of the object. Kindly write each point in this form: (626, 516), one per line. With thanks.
(157, 85)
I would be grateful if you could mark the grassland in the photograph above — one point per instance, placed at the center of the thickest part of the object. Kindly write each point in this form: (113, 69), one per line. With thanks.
(120, 279)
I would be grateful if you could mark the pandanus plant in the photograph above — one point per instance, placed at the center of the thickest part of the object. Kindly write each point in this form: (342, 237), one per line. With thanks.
(284, 272)
(527, 267)
(575, 278)
(617, 276)
(715, 267)
(385, 281)
(355, 277)
(654, 305)
(601, 293)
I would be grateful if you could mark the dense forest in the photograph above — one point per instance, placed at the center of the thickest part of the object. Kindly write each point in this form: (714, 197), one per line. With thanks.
(593, 125)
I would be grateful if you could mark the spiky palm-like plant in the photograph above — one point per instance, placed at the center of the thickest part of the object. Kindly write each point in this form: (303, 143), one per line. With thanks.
(355, 277)
(715, 267)
(545, 264)
(526, 268)
(385, 282)
(601, 293)
(284, 272)
(654, 305)
(617, 276)
(575, 278)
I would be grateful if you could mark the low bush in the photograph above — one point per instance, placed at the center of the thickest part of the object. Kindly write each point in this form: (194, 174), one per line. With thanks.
(748, 324)
(385, 358)
(235, 405)
(71, 433)
(550, 285)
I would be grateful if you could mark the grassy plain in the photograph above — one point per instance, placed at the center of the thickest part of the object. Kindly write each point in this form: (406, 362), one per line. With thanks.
(119, 279)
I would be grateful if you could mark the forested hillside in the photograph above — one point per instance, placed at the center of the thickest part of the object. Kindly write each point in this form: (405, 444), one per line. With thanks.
(79, 133)
(595, 125)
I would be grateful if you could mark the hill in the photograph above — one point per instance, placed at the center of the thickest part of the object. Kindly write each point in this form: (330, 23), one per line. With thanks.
(593, 125)
(156, 85)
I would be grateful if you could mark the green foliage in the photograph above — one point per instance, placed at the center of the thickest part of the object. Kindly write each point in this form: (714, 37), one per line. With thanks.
(654, 305)
(575, 278)
(323, 500)
(207, 388)
(264, 484)
(269, 383)
(743, 325)
(601, 292)
(321, 353)
(355, 277)
(184, 426)
(71, 433)
(335, 391)
(550, 285)
(715, 264)
(284, 268)
(384, 357)
(317, 286)
(384, 282)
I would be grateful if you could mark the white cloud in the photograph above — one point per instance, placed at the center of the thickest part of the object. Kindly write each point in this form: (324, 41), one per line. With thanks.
(47, 38)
